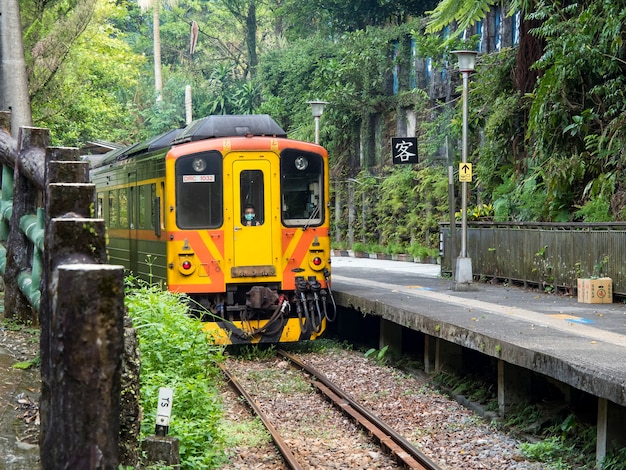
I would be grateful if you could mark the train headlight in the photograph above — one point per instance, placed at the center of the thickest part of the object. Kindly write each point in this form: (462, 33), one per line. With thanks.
(199, 164)
(301, 163)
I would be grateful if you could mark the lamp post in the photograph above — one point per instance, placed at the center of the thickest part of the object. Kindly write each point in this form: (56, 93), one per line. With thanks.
(463, 273)
(317, 108)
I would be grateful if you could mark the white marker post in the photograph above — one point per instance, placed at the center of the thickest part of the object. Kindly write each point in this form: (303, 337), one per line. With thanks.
(164, 411)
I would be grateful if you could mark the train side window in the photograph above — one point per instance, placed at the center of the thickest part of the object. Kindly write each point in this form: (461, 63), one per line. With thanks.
(147, 195)
(251, 192)
(152, 205)
(123, 198)
(113, 209)
(199, 193)
(301, 188)
(99, 206)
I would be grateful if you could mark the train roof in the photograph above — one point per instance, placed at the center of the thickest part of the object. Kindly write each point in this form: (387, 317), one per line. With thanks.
(230, 126)
(209, 127)
(159, 142)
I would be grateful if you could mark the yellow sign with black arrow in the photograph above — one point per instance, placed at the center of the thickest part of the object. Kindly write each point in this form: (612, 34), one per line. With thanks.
(465, 172)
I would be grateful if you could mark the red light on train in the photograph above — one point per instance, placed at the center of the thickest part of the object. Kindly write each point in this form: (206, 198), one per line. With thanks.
(317, 261)
(186, 264)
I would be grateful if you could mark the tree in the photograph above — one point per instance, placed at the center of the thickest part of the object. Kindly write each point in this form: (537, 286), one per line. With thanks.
(13, 78)
(93, 93)
(245, 13)
(464, 13)
(335, 17)
(156, 35)
(53, 29)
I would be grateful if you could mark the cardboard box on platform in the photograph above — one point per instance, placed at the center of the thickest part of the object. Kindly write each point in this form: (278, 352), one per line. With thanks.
(595, 291)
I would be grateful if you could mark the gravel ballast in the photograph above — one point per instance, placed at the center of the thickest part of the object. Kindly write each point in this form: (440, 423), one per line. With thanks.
(455, 437)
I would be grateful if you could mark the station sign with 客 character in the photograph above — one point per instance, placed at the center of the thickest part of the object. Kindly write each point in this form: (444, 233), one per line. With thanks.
(404, 150)
(465, 172)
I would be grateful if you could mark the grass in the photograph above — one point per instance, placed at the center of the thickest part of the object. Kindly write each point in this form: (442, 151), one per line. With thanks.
(175, 353)
(248, 433)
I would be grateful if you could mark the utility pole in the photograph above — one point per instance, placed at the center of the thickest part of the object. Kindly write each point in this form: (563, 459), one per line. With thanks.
(14, 95)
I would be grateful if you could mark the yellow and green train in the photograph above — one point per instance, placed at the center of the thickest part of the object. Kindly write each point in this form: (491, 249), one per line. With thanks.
(175, 210)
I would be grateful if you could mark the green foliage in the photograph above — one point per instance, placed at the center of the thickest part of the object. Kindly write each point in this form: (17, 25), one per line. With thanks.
(90, 95)
(553, 153)
(472, 387)
(547, 450)
(615, 460)
(565, 442)
(23, 365)
(377, 355)
(335, 17)
(466, 13)
(176, 353)
(254, 352)
(576, 103)
(420, 251)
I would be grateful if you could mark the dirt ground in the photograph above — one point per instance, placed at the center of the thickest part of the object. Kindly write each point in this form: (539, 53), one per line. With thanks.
(19, 399)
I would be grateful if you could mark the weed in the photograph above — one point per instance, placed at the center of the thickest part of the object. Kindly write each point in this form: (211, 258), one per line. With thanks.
(275, 381)
(615, 460)
(379, 356)
(253, 352)
(600, 266)
(550, 449)
(35, 362)
(248, 433)
(176, 353)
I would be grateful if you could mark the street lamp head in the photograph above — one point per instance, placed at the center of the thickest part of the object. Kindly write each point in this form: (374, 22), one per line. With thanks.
(317, 107)
(467, 60)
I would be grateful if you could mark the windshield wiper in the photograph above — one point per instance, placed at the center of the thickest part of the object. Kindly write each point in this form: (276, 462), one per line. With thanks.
(313, 215)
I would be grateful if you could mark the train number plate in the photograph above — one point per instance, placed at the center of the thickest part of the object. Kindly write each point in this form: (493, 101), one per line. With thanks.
(253, 271)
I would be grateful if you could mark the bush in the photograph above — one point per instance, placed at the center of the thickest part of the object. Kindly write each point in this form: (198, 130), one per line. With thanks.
(175, 353)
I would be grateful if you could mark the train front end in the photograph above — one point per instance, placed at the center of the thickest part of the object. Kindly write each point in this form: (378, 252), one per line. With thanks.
(247, 222)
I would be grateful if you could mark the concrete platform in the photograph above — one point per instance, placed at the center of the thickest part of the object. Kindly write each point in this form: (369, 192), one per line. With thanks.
(581, 345)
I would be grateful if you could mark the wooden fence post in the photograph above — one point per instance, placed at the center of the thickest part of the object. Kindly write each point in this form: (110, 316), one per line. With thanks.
(82, 425)
(31, 143)
(81, 315)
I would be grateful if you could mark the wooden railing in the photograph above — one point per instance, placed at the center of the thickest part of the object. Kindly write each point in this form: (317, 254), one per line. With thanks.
(52, 259)
(545, 254)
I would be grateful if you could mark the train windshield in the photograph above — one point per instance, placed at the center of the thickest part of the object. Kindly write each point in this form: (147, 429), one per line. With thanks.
(301, 180)
(199, 191)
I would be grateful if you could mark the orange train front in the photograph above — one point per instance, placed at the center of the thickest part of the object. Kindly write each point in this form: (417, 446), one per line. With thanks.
(232, 213)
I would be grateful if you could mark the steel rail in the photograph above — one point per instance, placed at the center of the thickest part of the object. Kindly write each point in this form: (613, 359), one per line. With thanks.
(406, 453)
(278, 440)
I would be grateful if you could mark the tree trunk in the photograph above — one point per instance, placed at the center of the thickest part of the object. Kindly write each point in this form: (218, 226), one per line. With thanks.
(158, 80)
(251, 29)
(13, 80)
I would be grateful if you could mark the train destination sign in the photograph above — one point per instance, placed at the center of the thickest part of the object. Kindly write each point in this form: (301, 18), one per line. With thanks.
(404, 150)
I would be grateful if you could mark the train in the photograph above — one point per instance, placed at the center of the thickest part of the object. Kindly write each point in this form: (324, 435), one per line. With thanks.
(232, 213)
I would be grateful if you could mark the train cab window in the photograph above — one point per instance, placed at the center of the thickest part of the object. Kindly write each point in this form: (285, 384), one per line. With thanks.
(251, 195)
(199, 190)
(301, 193)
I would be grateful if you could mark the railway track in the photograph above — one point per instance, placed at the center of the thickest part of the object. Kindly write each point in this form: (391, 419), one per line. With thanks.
(405, 454)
